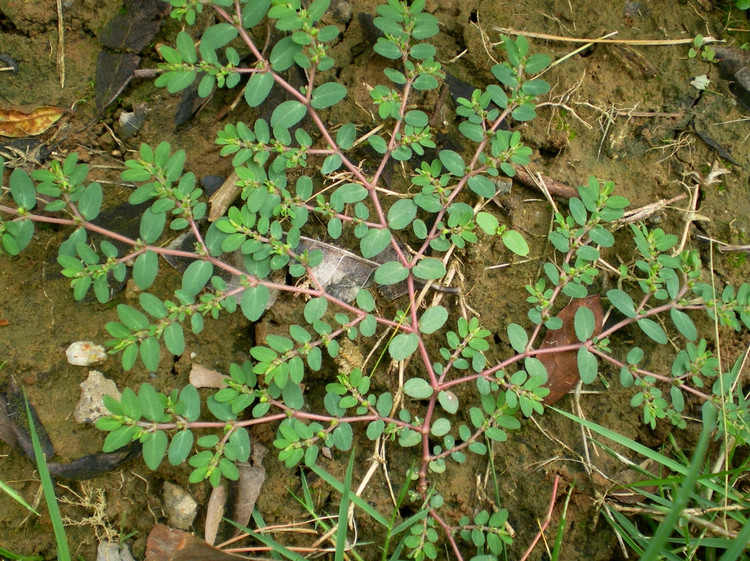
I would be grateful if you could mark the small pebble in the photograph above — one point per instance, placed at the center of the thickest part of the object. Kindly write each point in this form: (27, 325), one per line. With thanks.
(85, 353)
(179, 506)
(112, 551)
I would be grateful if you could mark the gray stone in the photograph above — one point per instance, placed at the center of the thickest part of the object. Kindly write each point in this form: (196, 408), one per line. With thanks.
(179, 506)
(91, 404)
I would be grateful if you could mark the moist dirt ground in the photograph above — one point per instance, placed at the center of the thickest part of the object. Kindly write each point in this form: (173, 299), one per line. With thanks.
(621, 112)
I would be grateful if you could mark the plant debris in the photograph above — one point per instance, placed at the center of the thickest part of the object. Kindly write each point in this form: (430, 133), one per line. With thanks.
(562, 368)
(17, 124)
(167, 544)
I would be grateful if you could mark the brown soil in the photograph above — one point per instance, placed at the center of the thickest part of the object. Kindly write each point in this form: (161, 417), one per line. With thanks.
(620, 113)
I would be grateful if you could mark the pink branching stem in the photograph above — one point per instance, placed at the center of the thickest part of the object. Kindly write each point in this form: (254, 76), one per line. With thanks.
(448, 534)
(546, 520)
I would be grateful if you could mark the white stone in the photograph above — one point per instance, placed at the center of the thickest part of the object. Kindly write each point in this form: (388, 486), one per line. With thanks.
(91, 404)
(85, 353)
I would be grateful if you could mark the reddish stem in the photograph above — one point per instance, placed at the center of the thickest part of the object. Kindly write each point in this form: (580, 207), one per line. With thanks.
(547, 519)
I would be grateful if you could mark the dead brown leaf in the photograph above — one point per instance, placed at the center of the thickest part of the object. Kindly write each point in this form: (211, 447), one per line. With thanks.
(167, 544)
(202, 377)
(562, 368)
(17, 124)
(215, 512)
(248, 486)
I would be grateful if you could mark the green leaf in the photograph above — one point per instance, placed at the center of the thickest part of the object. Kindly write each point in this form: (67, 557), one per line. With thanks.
(174, 339)
(328, 94)
(185, 47)
(536, 63)
(401, 214)
(433, 319)
(535, 87)
(448, 401)
(258, 88)
(149, 352)
(287, 114)
(588, 366)
(524, 112)
(375, 429)
(154, 448)
(403, 346)
(653, 330)
(584, 323)
(118, 438)
(129, 356)
(219, 35)
(482, 186)
(577, 210)
(346, 136)
(90, 202)
(487, 222)
(408, 437)
(684, 324)
(602, 237)
(180, 447)
(390, 272)
(131, 406)
(378, 144)
(342, 436)
(575, 290)
(196, 276)
(145, 268)
(315, 309)
(453, 162)
(189, 403)
(440, 427)
(22, 189)
(132, 318)
(386, 48)
(240, 442)
(177, 81)
(374, 242)
(515, 242)
(152, 225)
(429, 269)
(331, 164)
(518, 337)
(254, 301)
(418, 388)
(472, 131)
(152, 305)
(347, 193)
(622, 301)
(283, 53)
(101, 289)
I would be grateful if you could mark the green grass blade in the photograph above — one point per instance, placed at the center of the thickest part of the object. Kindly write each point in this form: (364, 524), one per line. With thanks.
(7, 554)
(63, 553)
(390, 532)
(561, 525)
(665, 529)
(13, 494)
(344, 511)
(409, 522)
(739, 546)
(625, 529)
(361, 503)
(638, 448)
(269, 542)
(260, 523)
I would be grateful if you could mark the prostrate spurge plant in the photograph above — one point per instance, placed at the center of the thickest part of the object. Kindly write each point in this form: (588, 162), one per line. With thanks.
(445, 213)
